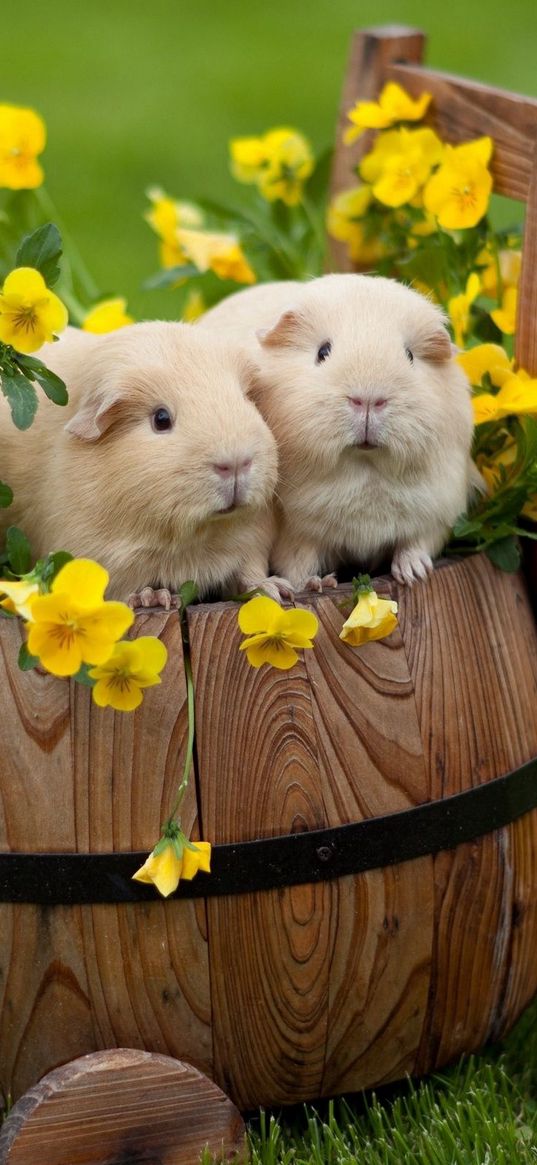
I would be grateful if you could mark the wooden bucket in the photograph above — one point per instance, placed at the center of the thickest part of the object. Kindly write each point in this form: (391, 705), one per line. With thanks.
(301, 991)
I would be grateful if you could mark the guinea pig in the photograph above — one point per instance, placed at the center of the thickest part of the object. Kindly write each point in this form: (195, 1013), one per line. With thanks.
(159, 467)
(372, 417)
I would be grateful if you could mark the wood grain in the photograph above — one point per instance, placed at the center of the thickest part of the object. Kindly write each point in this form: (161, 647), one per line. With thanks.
(119, 1106)
(78, 777)
(259, 776)
(471, 644)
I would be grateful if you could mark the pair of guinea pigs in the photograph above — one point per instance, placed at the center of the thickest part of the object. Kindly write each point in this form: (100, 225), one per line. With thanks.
(295, 427)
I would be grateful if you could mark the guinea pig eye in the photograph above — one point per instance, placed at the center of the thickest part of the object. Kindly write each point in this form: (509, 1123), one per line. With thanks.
(161, 421)
(409, 355)
(323, 352)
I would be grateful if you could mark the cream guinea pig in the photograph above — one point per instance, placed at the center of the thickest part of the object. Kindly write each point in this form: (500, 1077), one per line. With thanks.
(159, 467)
(372, 417)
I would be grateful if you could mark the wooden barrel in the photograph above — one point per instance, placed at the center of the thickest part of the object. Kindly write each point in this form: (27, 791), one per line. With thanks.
(301, 991)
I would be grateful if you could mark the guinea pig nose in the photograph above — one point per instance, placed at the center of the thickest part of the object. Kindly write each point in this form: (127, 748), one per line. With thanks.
(380, 404)
(232, 468)
(357, 400)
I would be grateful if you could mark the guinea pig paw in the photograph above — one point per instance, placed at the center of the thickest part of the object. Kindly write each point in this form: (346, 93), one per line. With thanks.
(315, 583)
(149, 598)
(329, 581)
(410, 565)
(277, 588)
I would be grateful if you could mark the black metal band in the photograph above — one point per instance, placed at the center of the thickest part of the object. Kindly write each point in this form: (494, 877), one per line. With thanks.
(292, 859)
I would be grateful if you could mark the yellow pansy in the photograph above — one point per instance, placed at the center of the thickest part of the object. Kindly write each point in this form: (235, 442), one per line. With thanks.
(275, 636)
(345, 210)
(484, 358)
(288, 163)
(19, 596)
(22, 137)
(394, 104)
(459, 308)
(107, 316)
(505, 316)
(371, 618)
(518, 395)
(30, 314)
(248, 156)
(399, 164)
(458, 193)
(172, 860)
(166, 217)
(132, 666)
(490, 467)
(73, 624)
(218, 252)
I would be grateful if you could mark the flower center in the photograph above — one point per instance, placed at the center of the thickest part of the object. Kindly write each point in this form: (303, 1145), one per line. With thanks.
(120, 680)
(67, 632)
(465, 196)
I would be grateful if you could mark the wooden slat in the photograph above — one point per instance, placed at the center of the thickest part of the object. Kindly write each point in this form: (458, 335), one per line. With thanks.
(472, 649)
(123, 1105)
(78, 777)
(526, 326)
(372, 50)
(269, 952)
(382, 922)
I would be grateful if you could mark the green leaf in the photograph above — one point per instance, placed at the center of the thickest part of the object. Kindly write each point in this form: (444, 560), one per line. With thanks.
(505, 553)
(464, 527)
(51, 384)
(317, 184)
(187, 593)
(18, 550)
(42, 250)
(26, 661)
(82, 676)
(21, 397)
(50, 566)
(6, 495)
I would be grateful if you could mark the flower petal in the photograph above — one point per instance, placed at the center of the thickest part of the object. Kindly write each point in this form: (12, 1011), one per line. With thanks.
(84, 580)
(278, 654)
(258, 615)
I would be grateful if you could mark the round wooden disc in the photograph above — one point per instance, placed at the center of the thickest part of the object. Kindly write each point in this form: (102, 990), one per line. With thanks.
(119, 1106)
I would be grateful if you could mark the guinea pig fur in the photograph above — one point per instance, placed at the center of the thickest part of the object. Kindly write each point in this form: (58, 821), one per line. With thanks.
(372, 417)
(160, 467)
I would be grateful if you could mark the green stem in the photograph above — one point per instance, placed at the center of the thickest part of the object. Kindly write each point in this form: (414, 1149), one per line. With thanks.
(77, 313)
(87, 283)
(315, 224)
(190, 739)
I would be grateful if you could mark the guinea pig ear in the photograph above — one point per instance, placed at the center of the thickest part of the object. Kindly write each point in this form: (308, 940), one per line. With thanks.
(436, 346)
(95, 416)
(285, 332)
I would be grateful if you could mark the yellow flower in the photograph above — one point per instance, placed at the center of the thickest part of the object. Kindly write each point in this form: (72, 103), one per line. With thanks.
(490, 358)
(371, 618)
(166, 217)
(19, 596)
(518, 395)
(173, 859)
(131, 666)
(247, 158)
(426, 226)
(279, 163)
(400, 162)
(289, 162)
(22, 137)
(30, 314)
(458, 193)
(505, 316)
(275, 636)
(490, 467)
(217, 252)
(107, 316)
(345, 210)
(394, 104)
(459, 308)
(73, 624)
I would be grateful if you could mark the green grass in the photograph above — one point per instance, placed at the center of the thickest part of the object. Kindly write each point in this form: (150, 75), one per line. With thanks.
(136, 94)
(481, 1112)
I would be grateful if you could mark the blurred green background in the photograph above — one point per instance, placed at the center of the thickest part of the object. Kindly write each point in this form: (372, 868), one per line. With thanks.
(144, 92)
